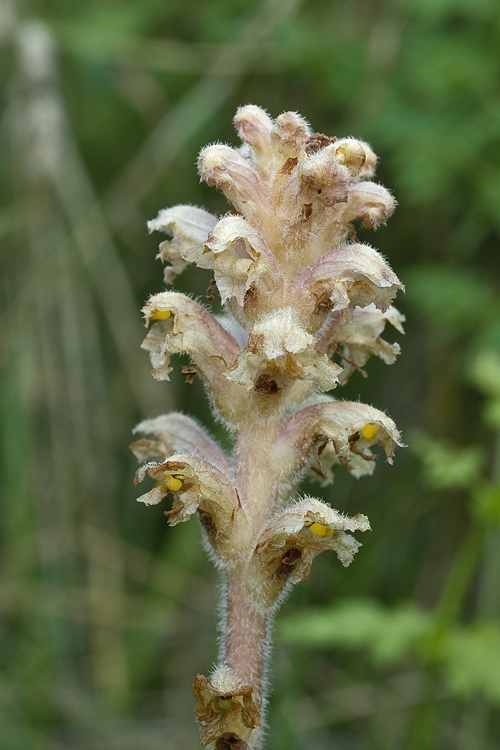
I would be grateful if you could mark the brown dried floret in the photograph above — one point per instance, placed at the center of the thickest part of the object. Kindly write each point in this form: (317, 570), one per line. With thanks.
(226, 709)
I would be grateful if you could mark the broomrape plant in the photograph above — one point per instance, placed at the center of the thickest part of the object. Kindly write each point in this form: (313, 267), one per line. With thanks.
(306, 305)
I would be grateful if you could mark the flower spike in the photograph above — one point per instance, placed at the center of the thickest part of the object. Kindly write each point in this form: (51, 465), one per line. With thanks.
(306, 305)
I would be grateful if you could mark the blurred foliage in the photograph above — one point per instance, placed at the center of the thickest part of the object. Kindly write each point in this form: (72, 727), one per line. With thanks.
(469, 657)
(106, 614)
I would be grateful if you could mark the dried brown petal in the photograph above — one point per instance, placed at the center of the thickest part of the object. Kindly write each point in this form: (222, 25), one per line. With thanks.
(226, 710)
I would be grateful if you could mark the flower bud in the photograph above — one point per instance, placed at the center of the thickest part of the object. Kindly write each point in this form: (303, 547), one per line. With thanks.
(370, 202)
(254, 127)
(289, 135)
(352, 154)
(237, 177)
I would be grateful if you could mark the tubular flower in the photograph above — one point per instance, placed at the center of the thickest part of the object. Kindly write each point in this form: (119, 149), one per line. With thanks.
(306, 306)
(288, 546)
(280, 346)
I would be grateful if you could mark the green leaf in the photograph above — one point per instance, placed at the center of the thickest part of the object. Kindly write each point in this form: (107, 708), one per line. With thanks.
(484, 372)
(451, 299)
(388, 633)
(472, 660)
(486, 499)
(446, 466)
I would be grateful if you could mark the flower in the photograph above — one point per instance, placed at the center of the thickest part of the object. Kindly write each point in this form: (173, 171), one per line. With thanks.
(281, 350)
(197, 487)
(226, 710)
(342, 424)
(190, 227)
(289, 544)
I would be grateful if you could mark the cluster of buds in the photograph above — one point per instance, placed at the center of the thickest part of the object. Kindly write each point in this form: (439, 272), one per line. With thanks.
(305, 306)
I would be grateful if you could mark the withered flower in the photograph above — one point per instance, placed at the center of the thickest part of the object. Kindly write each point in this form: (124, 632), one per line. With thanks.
(226, 709)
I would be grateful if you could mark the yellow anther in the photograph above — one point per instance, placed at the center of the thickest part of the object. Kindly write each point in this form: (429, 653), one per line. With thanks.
(319, 530)
(221, 704)
(171, 484)
(369, 431)
(161, 314)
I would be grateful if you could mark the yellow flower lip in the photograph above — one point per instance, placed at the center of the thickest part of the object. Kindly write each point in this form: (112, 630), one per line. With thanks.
(171, 484)
(220, 704)
(369, 431)
(160, 314)
(318, 529)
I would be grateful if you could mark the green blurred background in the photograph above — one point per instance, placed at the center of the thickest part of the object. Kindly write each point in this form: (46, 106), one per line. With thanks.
(107, 614)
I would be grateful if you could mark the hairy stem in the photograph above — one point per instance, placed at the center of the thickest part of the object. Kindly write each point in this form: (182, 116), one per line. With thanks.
(246, 631)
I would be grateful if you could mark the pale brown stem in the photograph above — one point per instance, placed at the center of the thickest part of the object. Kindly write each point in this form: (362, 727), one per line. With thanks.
(245, 629)
(245, 634)
(254, 473)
